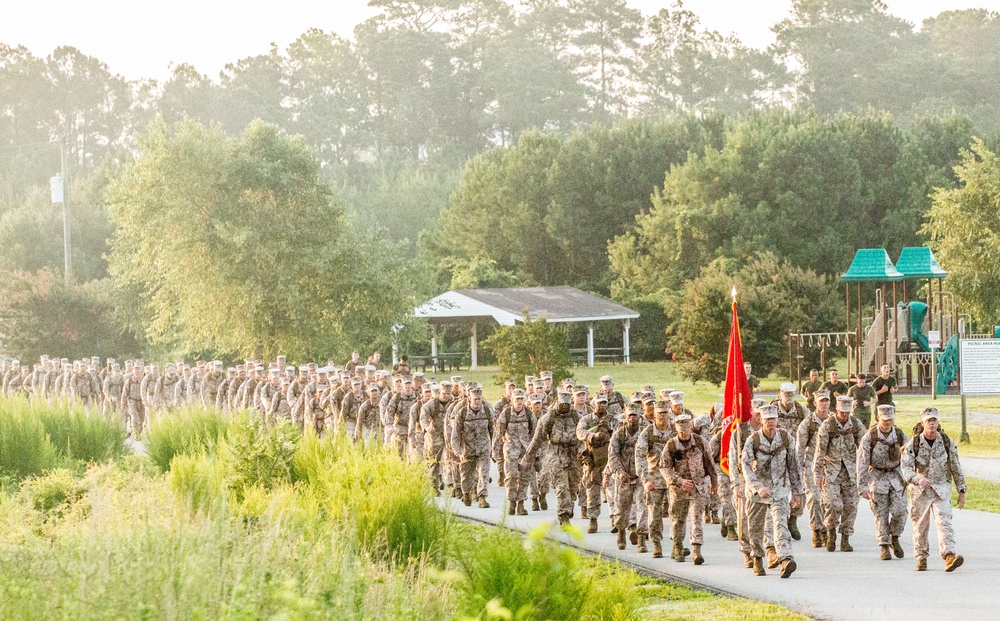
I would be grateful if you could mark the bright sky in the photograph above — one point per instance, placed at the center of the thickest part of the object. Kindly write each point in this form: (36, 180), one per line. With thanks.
(142, 39)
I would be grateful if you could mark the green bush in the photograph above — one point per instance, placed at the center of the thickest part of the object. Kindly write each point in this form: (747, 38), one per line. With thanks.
(55, 491)
(25, 447)
(258, 455)
(200, 479)
(78, 435)
(386, 502)
(185, 431)
(536, 579)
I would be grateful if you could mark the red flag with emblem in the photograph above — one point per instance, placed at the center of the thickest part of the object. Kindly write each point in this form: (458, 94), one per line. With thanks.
(738, 395)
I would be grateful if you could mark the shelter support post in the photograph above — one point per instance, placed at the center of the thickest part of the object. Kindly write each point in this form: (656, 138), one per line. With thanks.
(434, 348)
(626, 351)
(475, 353)
(590, 343)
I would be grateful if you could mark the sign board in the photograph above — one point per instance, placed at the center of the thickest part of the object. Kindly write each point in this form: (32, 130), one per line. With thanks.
(56, 186)
(980, 366)
(934, 339)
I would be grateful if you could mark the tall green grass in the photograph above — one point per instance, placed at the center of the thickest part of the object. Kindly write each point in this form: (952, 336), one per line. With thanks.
(186, 431)
(78, 435)
(25, 447)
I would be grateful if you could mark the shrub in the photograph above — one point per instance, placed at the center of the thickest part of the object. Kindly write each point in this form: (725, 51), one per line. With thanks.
(25, 447)
(199, 479)
(55, 491)
(533, 579)
(528, 348)
(185, 431)
(258, 455)
(77, 435)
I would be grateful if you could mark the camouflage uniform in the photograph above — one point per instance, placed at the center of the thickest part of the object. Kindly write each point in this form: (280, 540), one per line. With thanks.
(132, 404)
(347, 416)
(166, 390)
(113, 392)
(770, 464)
(397, 414)
(471, 439)
(515, 429)
(210, 387)
(432, 422)
(556, 435)
(939, 463)
(805, 448)
(691, 460)
(835, 469)
(878, 470)
(647, 464)
(82, 389)
(368, 421)
(628, 487)
(594, 432)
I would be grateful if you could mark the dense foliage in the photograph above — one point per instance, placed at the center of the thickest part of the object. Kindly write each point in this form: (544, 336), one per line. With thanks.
(528, 348)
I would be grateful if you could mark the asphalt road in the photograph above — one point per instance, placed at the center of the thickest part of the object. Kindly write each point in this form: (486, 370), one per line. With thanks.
(827, 585)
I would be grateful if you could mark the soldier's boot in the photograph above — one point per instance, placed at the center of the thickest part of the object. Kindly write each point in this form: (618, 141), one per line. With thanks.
(884, 553)
(633, 536)
(677, 554)
(482, 503)
(534, 504)
(817, 539)
(563, 520)
(921, 564)
(845, 543)
(543, 503)
(747, 560)
(593, 526)
(724, 531)
(787, 567)
(614, 525)
(896, 548)
(953, 561)
(732, 536)
(772, 558)
(831, 541)
(512, 509)
(758, 566)
(467, 499)
(457, 493)
(500, 484)
(642, 544)
(715, 518)
(520, 508)
(793, 528)
(657, 549)
(696, 554)
(621, 540)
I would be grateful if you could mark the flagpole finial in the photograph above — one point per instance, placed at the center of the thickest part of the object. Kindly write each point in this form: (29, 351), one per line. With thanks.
(734, 294)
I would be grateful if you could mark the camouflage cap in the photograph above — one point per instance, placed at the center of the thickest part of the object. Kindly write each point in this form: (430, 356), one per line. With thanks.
(757, 404)
(677, 397)
(821, 395)
(682, 418)
(518, 394)
(661, 407)
(606, 379)
(601, 398)
(648, 397)
(769, 411)
(545, 375)
(635, 397)
(565, 397)
(887, 412)
(373, 388)
(787, 388)
(536, 398)
(928, 414)
(845, 403)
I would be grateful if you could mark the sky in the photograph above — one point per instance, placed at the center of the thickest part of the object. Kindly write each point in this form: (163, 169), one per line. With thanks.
(143, 39)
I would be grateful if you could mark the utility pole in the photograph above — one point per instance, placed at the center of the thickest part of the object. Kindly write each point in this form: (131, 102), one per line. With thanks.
(67, 252)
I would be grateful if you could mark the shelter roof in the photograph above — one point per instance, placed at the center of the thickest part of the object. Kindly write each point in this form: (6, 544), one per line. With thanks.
(919, 262)
(871, 265)
(508, 306)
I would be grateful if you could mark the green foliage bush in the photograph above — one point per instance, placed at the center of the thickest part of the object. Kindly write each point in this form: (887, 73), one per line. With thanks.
(25, 447)
(78, 435)
(54, 491)
(198, 478)
(187, 430)
(258, 455)
(528, 348)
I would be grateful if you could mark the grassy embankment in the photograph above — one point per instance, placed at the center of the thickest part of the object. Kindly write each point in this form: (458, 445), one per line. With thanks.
(233, 520)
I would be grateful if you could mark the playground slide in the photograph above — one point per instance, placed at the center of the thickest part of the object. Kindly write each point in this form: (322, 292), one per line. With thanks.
(918, 311)
(947, 365)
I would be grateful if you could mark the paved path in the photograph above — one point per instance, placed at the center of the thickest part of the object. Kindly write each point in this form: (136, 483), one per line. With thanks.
(980, 468)
(840, 586)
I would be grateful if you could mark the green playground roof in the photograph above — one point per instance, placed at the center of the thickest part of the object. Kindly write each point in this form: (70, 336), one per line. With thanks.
(919, 262)
(871, 265)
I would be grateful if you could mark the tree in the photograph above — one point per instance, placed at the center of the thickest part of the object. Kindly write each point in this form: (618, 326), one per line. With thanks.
(528, 348)
(965, 234)
(607, 34)
(233, 246)
(774, 298)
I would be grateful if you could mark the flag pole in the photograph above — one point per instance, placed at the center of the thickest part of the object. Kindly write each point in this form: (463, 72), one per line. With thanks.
(739, 461)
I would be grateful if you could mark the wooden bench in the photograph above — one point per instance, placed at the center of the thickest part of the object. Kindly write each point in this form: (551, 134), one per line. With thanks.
(444, 362)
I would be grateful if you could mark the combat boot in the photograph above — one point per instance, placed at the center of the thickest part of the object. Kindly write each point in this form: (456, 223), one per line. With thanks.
(593, 526)
(715, 518)
(845, 543)
(884, 553)
(642, 544)
(772, 558)
(621, 540)
(457, 493)
(520, 508)
(677, 554)
(657, 549)
(817, 540)
(747, 560)
(758, 566)
(543, 503)
(534, 504)
(831, 541)
(614, 526)
(512, 510)
(896, 548)
(467, 499)
(696, 554)
(633, 536)
(482, 503)
(787, 567)
(500, 484)
(563, 520)
(953, 561)
(732, 536)
(724, 531)
(793, 528)
(921, 564)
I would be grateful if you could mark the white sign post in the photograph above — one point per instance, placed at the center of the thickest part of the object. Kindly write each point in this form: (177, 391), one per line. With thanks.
(979, 371)
(934, 339)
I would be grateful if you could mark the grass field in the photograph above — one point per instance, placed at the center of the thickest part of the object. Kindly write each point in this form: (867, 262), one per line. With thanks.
(980, 495)
(254, 522)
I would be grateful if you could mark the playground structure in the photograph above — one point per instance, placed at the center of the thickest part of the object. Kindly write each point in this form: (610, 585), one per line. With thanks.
(896, 334)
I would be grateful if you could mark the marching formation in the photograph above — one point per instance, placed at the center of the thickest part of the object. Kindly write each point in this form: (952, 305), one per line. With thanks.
(647, 456)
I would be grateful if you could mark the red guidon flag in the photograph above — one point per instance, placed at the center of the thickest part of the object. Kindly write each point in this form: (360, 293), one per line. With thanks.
(738, 395)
